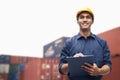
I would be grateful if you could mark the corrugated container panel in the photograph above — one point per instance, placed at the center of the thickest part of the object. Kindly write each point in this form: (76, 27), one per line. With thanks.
(46, 69)
(113, 39)
(55, 73)
(15, 71)
(15, 60)
(4, 68)
(18, 60)
(4, 59)
(4, 76)
(21, 75)
(49, 69)
(53, 49)
(24, 60)
(115, 73)
(14, 68)
(32, 69)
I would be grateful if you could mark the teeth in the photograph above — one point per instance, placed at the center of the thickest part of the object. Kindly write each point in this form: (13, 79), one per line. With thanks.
(85, 24)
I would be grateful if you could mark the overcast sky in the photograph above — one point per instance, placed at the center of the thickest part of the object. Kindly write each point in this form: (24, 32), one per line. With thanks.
(27, 25)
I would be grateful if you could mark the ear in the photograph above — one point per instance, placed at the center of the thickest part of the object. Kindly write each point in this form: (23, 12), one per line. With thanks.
(92, 22)
(77, 21)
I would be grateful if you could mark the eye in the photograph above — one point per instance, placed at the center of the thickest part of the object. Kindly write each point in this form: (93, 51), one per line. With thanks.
(81, 17)
(88, 17)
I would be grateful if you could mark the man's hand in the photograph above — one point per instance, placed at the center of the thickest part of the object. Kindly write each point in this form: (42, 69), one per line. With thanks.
(78, 55)
(92, 70)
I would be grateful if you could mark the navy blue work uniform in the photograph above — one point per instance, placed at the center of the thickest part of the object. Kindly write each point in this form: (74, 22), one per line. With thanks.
(92, 45)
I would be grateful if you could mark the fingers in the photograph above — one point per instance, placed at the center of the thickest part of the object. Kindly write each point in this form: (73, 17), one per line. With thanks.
(91, 69)
(78, 55)
(87, 67)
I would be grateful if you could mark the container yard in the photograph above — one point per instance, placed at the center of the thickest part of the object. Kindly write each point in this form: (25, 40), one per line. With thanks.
(46, 68)
(29, 68)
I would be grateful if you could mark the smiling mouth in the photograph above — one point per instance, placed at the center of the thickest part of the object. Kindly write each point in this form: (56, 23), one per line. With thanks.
(85, 24)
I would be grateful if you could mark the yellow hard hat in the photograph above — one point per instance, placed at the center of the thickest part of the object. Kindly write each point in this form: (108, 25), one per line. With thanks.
(85, 9)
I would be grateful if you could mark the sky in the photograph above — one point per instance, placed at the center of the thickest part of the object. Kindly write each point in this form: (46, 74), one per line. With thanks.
(27, 25)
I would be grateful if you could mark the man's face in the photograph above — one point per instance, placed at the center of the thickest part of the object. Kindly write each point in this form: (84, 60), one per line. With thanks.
(85, 21)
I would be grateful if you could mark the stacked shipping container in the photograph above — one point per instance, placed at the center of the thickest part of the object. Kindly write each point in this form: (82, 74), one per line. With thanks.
(49, 69)
(16, 67)
(53, 49)
(30, 68)
(46, 69)
(52, 53)
(55, 73)
(4, 67)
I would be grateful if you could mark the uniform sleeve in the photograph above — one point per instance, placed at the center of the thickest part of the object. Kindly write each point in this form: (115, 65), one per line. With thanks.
(107, 56)
(64, 54)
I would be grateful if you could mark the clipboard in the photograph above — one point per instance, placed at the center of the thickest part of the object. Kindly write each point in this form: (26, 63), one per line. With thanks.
(74, 64)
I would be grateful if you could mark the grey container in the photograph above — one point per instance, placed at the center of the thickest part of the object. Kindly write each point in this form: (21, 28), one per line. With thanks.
(53, 49)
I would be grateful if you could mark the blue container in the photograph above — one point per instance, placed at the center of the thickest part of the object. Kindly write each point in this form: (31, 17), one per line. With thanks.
(13, 76)
(21, 67)
(4, 59)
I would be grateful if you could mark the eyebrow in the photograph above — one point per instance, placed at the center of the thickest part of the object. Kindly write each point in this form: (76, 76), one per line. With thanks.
(87, 16)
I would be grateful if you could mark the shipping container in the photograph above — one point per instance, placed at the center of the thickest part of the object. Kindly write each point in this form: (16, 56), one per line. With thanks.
(53, 49)
(32, 69)
(113, 39)
(55, 73)
(4, 68)
(46, 69)
(4, 59)
(4, 76)
(15, 60)
(49, 69)
(14, 68)
(21, 67)
(18, 60)
(16, 71)
(14, 76)
(21, 75)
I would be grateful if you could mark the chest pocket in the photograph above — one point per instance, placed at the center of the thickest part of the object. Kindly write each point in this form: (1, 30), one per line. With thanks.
(76, 47)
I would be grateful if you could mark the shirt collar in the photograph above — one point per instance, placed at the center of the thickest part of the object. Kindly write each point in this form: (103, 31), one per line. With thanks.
(80, 36)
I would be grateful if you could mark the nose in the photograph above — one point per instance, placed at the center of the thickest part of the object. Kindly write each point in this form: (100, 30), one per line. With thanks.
(85, 19)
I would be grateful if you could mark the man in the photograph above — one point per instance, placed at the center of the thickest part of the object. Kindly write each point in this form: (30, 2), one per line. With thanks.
(86, 43)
